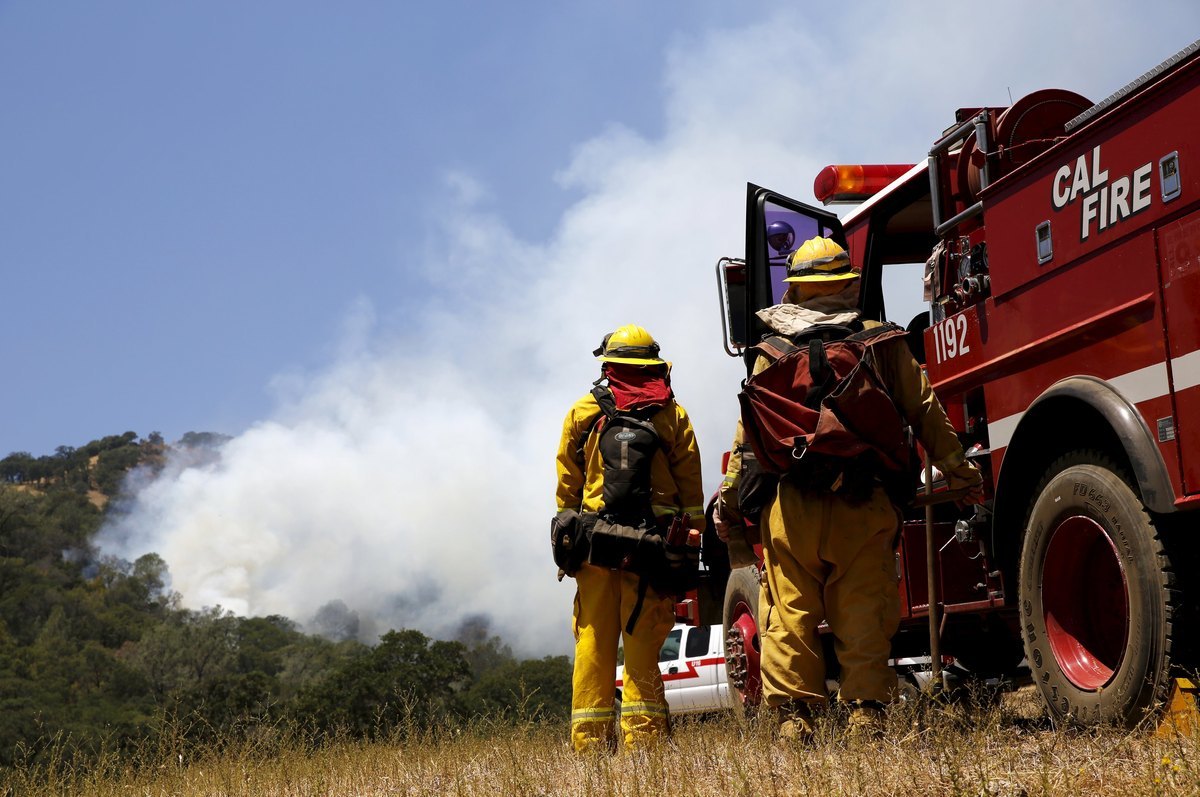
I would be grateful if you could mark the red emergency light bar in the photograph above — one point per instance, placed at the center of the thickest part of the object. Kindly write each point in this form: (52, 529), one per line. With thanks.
(854, 183)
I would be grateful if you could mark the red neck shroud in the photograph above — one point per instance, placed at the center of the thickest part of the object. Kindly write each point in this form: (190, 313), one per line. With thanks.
(634, 387)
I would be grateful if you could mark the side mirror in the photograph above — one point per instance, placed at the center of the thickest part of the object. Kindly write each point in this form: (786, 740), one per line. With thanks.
(731, 293)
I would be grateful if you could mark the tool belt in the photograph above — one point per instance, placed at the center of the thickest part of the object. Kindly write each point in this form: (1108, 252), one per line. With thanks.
(637, 549)
(661, 558)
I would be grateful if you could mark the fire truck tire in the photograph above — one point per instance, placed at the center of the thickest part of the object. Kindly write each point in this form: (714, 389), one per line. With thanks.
(1097, 595)
(742, 646)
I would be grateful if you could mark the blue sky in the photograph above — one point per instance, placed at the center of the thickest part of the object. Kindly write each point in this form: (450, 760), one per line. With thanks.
(195, 194)
(378, 245)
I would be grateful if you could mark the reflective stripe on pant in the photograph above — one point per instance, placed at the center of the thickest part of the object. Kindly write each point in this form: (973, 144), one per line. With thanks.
(603, 602)
(826, 560)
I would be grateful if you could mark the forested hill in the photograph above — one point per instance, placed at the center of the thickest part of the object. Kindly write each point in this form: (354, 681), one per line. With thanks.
(97, 652)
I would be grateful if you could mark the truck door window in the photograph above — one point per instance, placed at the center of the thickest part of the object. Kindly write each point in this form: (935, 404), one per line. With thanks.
(670, 649)
(697, 642)
(775, 227)
(785, 231)
(904, 302)
(904, 292)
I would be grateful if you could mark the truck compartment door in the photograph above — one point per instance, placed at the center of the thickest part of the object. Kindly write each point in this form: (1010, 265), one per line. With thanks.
(1179, 261)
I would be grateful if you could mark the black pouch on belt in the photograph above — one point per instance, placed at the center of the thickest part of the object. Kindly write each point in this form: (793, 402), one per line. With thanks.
(633, 548)
(569, 540)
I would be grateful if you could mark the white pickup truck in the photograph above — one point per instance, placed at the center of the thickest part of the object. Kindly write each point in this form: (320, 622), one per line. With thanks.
(692, 662)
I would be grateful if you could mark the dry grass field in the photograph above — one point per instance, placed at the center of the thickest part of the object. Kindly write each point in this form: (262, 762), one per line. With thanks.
(1005, 749)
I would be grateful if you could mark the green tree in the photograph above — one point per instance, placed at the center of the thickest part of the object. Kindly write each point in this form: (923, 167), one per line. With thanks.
(227, 705)
(533, 690)
(112, 465)
(405, 682)
(203, 440)
(183, 654)
(312, 658)
(17, 467)
(261, 641)
(129, 599)
(19, 522)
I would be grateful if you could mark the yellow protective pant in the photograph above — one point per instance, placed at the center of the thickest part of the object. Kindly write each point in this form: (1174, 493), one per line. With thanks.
(826, 560)
(603, 602)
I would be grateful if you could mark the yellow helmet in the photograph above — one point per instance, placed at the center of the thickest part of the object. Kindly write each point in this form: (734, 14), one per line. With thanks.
(819, 260)
(631, 345)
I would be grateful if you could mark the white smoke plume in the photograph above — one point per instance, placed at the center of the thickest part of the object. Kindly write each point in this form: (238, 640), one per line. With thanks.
(413, 479)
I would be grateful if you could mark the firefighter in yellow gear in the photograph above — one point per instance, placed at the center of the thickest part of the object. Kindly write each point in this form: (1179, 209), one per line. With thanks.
(825, 559)
(606, 598)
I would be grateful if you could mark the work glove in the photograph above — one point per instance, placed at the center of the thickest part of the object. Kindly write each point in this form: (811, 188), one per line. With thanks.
(724, 521)
(965, 478)
(732, 530)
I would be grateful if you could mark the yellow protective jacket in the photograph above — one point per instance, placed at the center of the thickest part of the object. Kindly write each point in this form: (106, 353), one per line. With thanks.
(904, 379)
(674, 473)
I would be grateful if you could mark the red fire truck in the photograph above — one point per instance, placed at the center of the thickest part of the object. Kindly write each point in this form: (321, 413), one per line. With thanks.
(1057, 245)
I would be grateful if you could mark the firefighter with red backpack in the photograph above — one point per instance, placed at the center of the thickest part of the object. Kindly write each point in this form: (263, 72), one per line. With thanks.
(628, 486)
(828, 518)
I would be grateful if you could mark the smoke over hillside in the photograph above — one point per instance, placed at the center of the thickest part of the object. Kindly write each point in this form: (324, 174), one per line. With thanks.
(413, 478)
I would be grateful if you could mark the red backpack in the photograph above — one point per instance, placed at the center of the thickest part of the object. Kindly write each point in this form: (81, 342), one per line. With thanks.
(820, 411)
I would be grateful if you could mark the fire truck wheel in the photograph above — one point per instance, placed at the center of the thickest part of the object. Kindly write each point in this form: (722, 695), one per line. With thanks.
(1096, 595)
(742, 647)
